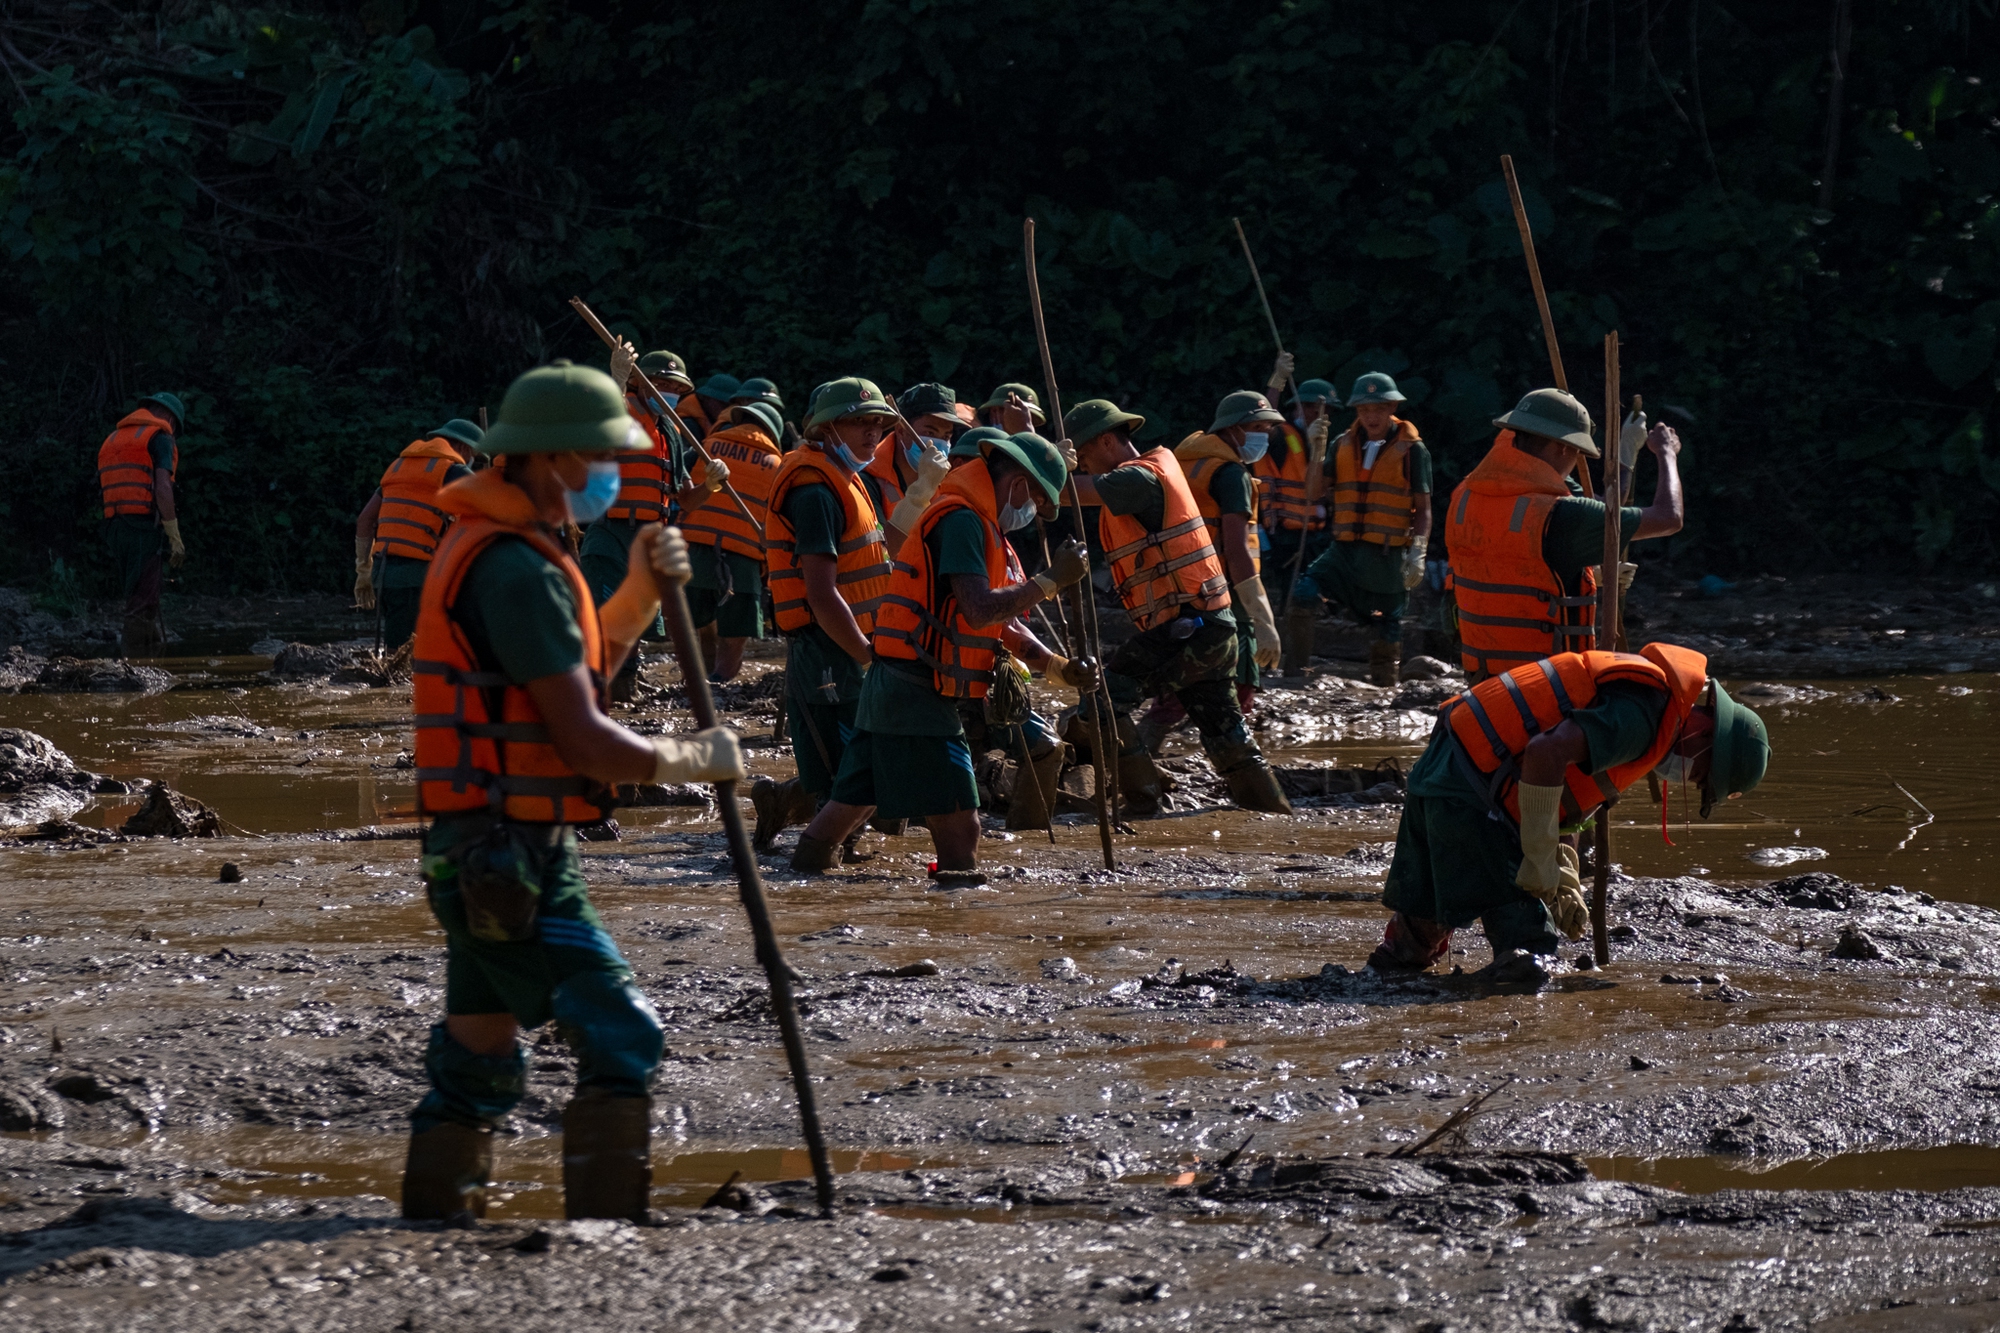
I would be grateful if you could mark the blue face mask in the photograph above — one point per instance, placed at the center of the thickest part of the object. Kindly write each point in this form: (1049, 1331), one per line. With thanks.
(600, 491)
(670, 399)
(847, 456)
(1254, 445)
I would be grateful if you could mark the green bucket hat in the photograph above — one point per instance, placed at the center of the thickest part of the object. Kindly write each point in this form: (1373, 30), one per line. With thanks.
(171, 402)
(850, 397)
(1034, 454)
(1375, 387)
(720, 387)
(1742, 750)
(1092, 417)
(923, 400)
(969, 444)
(1554, 415)
(1244, 407)
(757, 389)
(1316, 391)
(563, 407)
(462, 431)
(664, 366)
(998, 398)
(763, 414)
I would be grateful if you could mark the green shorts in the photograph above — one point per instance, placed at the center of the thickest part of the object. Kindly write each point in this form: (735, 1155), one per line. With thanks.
(490, 977)
(907, 777)
(742, 615)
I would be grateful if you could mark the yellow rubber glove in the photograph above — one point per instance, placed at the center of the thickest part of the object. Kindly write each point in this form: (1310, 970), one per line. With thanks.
(1281, 370)
(177, 551)
(364, 583)
(706, 756)
(1568, 907)
(1251, 595)
(713, 474)
(1078, 673)
(1413, 561)
(933, 466)
(1541, 836)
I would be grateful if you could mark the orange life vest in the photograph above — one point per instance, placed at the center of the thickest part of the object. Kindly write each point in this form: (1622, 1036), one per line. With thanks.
(645, 478)
(887, 474)
(753, 459)
(1511, 607)
(410, 522)
(481, 741)
(1202, 456)
(125, 464)
(1374, 504)
(1495, 719)
(920, 620)
(1158, 573)
(861, 554)
(1281, 482)
(693, 415)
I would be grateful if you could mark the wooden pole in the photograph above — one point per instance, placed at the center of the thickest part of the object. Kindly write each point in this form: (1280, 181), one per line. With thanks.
(663, 409)
(1541, 296)
(1102, 713)
(1292, 382)
(750, 887)
(1608, 632)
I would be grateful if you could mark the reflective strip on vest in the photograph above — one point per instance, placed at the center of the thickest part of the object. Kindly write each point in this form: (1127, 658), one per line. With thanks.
(1381, 507)
(1161, 572)
(408, 524)
(753, 468)
(861, 553)
(919, 620)
(125, 466)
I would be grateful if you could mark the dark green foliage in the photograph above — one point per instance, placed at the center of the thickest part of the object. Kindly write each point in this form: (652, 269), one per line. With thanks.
(332, 228)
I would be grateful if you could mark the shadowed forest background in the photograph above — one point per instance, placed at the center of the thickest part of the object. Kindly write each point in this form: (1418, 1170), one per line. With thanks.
(330, 227)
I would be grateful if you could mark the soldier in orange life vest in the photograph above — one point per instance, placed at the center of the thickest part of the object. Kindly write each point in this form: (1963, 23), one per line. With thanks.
(1524, 550)
(135, 471)
(949, 626)
(1517, 760)
(398, 530)
(1174, 586)
(727, 548)
(1381, 522)
(1291, 485)
(513, 749)
(828, 566)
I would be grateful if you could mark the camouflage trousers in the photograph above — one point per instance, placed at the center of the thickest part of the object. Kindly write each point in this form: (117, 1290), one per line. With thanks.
(1199, 670)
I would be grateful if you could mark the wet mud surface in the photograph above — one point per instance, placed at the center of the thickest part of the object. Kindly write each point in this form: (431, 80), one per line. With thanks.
(1164, 1096)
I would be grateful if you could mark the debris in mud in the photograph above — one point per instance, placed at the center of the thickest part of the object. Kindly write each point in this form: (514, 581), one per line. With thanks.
(1827, 893)
(647, 795)
(18, 669)
(1421, 667)
(167, 813)
(38, 783)
(99, 675)
(1330, 784)
(1856, 943)
(1784, 856)
(231, 873)
(1428, 693)
(309, 659)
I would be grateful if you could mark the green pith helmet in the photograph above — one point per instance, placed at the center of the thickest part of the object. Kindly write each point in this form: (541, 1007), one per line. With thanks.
(1092, 417)
(665, 366)
(720, 387)
(1242, 408)
(461, 431)
(1742, 748)
(850, 397)
(969, 444)
(171, 402)
(1554, 415)
(563, 408)
(763, 415)
(1028, 396)
(1316, 391)
(1374, 387)
(757, 389)
(1036, 456)
(923, 400)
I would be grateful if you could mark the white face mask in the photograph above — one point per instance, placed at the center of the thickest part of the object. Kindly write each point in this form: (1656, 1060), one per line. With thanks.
(1676, 767)
(1254, 445)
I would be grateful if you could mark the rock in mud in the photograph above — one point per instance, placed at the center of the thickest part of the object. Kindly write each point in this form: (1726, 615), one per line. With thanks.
(1856, 943)
(1427, 693)
(1421, 667)
(99, 675)
(38, 783)
(18, 669)
(309, 659)
(167, 813)
(1827, 893)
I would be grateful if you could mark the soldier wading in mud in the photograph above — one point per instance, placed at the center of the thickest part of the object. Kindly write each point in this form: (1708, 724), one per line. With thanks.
(135, 471)
(513, 747)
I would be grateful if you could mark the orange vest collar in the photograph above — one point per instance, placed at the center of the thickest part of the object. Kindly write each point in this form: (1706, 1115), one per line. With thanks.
(1507, 471)
(1203, 445)
(490, 495)
(435, 447)
(146, 416)
(747, 435)
(974, 483)
(1687, 670)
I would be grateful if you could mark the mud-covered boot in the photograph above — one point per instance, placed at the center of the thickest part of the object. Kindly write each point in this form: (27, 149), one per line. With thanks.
(889, 828)
(447, 1172)
(1033, 805)
(1385, 663)
(625, 685)
(815, 856)
(1409, 944)
(1142, 786)
(1301, 623)
(607, 1156)
(779, 805)
(851, 853)
(1250, 782)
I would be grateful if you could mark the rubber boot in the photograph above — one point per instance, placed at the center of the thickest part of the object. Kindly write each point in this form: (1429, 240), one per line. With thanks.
(1301, 623)
(1409, 944)
(447, 1172)
(815, 856)
(1251, 783)
(889, 828)
(1141, 785)
(625, 685)
(607, 1156)
(1385, 663)
(850, 850)
(1035, 791)
(779, 805)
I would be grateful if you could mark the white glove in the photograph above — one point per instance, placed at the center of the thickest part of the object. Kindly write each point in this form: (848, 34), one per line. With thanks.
(1568, 906)
(1627, 571)
(1316, 437)
(713, 474)
(177, 551)
(1541, 836)
(364, 583)
(1281, 370)
(1413, 561)
(1250, 593)
(624, 356)
(706, 756)
(1067, 449)
(669, 558)
(1629, 439)
(933, 466)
